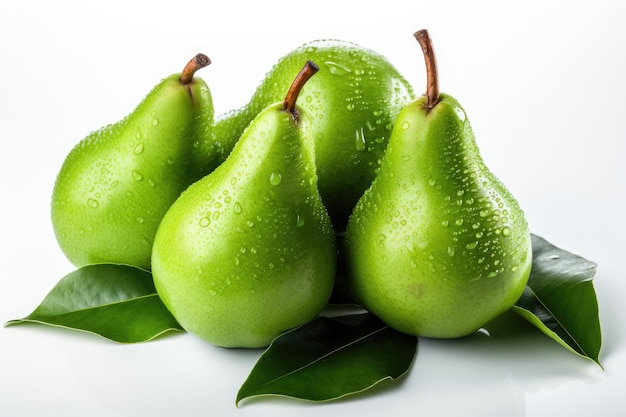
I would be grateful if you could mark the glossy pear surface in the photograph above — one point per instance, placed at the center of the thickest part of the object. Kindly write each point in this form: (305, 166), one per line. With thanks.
(353, 101)
(117, 183)
(437, 246)
(248, 251)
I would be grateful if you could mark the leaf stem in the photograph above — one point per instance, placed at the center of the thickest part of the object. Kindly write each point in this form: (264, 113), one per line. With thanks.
(197, 62)
(289, 104)
(432, 77)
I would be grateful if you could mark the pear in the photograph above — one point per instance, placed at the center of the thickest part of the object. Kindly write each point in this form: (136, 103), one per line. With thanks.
(437, 246)
(116, 184)
(248, 251)
(352, 101)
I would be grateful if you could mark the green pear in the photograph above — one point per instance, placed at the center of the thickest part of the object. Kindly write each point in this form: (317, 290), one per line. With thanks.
(437, 247)
(352, 101)
(117, 183)
(248, 251)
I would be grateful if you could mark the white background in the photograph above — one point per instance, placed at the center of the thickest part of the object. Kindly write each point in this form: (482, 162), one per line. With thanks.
(543, 85)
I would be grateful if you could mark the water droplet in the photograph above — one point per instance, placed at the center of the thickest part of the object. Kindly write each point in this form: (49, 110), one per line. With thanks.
(459, 222)
(472, 245)
(359, 142)
(484, 213)
(299, 221)
(138, 134)
(337, 69)
(250, 223)
(450, 250)
(460, 113)
(114, 184)
(93, 203)
(405, 125)
(237, 208)
(151, 183)
(445, 223)
(479, 235)
(137, 175)
(155, 122)
(205, 222)
(140, 220)
(139, 148)
(275, 178)
(506, 231)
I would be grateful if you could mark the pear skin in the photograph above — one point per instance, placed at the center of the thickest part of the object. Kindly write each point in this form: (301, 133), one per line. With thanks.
(353, 101)
(116, 184)
(437, 247)
(248, 251)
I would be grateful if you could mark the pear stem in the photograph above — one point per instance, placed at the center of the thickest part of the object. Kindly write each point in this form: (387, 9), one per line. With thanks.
(197, 62)
(432, 77)
(289, 104)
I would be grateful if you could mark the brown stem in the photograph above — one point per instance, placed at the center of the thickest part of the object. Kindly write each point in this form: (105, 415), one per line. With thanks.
(432, 77)
(289, 104)
(197, 62)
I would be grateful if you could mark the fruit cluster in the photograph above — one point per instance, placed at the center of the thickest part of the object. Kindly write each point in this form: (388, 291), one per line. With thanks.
(334, 165)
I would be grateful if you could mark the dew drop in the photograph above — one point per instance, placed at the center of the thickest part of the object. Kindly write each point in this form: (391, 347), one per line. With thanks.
(237, 208)
(114, 184)
(460, 113)
(275, 178)
(459, 222)
(484, 213)
(140, 220)
(93, 203)
(205, 222)
(299, 221)
(139, 148)
(250, 223)
(450, 250)
(151, 183)
(406, 125)
(137, 175)
(506, 231)
(337, 69)
(359, 142)
(155, 122)
(472, 245)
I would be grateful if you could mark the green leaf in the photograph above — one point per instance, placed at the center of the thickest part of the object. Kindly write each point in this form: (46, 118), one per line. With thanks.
(116, 302)
(560, 299)
(330, 358)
